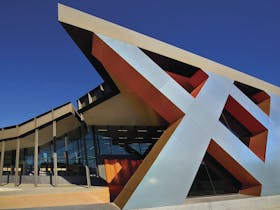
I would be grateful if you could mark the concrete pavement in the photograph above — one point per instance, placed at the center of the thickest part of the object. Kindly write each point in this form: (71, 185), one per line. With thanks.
(28, 196)
(106, 206)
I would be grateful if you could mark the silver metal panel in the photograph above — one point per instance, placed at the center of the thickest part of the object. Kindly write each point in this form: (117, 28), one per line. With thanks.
(151, 72)
(170, 177)
(271, 183)
(268, 172)
(219, 78)
(275, 111)
(238, 151)
(208, 106)
(139, 61)
(180, 97)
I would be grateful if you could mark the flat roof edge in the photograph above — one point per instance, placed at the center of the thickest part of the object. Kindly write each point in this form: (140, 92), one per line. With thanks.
(97, 25)
(39, 121)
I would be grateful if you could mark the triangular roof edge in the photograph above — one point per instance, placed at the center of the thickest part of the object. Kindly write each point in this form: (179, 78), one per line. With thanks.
(97, 25)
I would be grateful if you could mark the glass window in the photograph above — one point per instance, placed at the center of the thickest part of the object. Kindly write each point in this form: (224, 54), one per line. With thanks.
(9, 161)
(126, 140)
(90, 150)
(104, 144)
(74, 151)
(45, 159)
(61, 156)
(27, 161)
(136, 147)
(144, 147)
(119, 149)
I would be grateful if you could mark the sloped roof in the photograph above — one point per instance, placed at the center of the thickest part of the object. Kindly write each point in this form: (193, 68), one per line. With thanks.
(97, 25)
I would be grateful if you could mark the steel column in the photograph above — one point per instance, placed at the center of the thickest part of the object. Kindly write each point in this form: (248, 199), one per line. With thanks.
(88, 176)
(36, 157)
(17, 162)
(2, 162)
(54, 154)
(55, 168)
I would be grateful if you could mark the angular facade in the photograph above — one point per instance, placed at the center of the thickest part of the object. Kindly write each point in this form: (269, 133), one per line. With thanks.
(165, 124)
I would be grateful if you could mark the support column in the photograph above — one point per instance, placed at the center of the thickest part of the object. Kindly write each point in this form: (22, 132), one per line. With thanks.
(88, 176)
(66, 152)
(17, 162)
(54, 154)
(96, 151)
(36, 157)
(55, 168)
(83, 135)
(84, 143)
(2, 162)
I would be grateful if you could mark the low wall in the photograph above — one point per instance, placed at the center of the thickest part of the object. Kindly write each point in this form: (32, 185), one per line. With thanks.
(254, 203)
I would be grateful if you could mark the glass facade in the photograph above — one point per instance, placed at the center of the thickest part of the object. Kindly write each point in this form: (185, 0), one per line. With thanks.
(83, 146)
(9, 161)
(93, 145)
(27, 161)
(90, 153)
(45, 159)
(130, 141)
(74, 150)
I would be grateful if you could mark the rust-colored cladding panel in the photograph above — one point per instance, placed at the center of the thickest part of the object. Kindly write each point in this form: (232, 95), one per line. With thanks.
(191, 84)
(198, 78)
(260, 96)
(265, 106)
(258, 144)
(243, 116)
(181, 80)
(195, 91)
(118, 172)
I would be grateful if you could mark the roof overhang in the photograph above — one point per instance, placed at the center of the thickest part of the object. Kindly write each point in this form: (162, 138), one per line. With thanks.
(65, 116)
(68, 15)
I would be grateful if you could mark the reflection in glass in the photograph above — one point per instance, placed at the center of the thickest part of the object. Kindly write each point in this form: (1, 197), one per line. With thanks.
(45, 159)
(132, 141)
(90, 151)
(27, 161)
(9, 161)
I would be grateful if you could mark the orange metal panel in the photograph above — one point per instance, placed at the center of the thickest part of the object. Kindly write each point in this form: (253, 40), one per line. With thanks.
(183, 81)
(191, 84)
(243, 116)
(260, 96)
(265, 106)
(112, 168)
(199, 77)
(256, 190)
(118, 172)
(258, 144)
(196, 91)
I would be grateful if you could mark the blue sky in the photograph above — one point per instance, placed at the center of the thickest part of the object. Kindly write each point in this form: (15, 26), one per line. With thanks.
(42, 68)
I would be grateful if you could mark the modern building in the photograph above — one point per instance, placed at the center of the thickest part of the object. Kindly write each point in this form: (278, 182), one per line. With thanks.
(165, 124)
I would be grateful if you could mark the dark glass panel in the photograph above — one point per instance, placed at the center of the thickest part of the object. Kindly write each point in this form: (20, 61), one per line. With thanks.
(9, 162)
(213, 179)
(28, 161)
(105, 144)
(45, 159)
